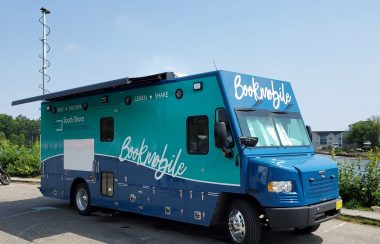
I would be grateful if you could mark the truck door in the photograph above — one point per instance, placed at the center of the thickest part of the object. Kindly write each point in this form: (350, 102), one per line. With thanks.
(52, 179)
(107, 166)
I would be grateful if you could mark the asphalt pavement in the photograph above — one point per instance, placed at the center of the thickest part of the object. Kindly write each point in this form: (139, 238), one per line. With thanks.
(26, 216)
(348, 212)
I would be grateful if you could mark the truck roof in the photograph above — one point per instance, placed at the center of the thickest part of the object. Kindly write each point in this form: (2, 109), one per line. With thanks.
(240, 90)
(99, 88)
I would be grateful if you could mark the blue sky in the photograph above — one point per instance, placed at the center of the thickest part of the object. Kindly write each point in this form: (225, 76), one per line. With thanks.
(329, 50)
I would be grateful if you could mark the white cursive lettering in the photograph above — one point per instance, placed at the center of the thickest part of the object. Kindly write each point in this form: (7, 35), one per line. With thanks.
(260, 93)
(160, 163)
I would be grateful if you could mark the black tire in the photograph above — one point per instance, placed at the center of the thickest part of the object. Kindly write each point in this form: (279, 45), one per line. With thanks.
(82, 199)
(5, 178)
(243, 224)
(307, 230)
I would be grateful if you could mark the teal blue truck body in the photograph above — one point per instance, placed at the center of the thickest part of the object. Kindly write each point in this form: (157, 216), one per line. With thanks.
(149, 146)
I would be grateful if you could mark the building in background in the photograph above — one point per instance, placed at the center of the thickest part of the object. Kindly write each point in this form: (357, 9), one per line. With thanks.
(335, 139)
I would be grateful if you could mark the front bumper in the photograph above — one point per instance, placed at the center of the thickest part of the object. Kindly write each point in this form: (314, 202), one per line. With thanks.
(299, 217)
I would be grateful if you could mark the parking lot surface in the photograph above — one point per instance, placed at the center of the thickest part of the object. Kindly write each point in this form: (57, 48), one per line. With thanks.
(26, 216)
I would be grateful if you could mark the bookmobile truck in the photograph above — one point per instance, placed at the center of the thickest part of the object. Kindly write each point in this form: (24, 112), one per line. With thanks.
(217, 147)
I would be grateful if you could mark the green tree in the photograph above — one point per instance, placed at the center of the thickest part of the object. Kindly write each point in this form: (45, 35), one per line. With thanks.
(2, 136)
(363, 131)
(6, 124)
(20, 130)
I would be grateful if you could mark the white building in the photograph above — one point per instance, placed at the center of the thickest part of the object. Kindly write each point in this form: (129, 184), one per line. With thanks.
(335, 139)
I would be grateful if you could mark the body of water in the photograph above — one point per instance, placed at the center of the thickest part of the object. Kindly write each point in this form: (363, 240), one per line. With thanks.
(359, 167)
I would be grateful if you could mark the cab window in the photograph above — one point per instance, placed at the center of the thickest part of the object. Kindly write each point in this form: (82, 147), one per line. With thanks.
(221, 116)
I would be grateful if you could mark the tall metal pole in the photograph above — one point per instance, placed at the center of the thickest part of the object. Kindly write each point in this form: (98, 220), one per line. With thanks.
(45, 50)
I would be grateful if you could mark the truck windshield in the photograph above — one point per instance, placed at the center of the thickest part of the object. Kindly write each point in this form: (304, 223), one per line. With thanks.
(273, 130)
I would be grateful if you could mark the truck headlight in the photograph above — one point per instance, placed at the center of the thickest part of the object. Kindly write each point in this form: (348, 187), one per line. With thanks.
(280, 186)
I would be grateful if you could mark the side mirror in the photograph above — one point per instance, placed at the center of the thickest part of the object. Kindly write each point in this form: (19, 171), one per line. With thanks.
(220, 134)
(248, 141)
(308, 128)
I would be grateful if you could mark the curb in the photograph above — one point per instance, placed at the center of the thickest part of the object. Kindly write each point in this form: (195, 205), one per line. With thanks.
(360, 217)
(370, 215)
(375, 209)
(29, 181)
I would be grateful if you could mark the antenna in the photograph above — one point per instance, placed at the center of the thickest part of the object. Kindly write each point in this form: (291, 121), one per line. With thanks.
(216, 68)
(45, 49)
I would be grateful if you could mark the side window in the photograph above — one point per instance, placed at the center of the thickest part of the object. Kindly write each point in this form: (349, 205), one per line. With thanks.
(221, 116)
(106, 129)
(107, 184)
(197, 134)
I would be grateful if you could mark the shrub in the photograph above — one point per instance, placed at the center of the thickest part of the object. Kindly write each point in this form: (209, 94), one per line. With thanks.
(360, 188)
(370, 183)
(20, 161)
(349, 181)
(8, 153)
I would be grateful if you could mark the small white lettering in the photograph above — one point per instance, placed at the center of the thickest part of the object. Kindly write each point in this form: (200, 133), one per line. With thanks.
(74, 119)
(75, 107)
(141, 98)
(160, 95)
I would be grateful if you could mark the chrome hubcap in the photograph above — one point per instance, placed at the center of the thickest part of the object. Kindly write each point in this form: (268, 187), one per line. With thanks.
(82, 199)
(236, 225)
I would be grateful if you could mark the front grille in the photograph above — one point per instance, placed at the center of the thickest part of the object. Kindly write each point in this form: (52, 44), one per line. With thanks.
(288, 198)
(321, 187)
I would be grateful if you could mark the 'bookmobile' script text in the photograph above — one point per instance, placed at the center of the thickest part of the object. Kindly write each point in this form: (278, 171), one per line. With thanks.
(142, 156)
(260, 93)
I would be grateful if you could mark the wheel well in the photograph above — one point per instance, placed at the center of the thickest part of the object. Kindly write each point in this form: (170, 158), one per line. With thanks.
(74, 185)
(224, 202)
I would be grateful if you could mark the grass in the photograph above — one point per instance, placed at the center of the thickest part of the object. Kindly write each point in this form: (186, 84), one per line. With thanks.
(357, 207)
(361, 208)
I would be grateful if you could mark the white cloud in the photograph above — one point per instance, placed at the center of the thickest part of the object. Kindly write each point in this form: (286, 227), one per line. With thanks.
(71, 47)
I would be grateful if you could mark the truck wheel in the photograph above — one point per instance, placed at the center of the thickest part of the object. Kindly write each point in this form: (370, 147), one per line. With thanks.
(82, 199)
(243, 223)
(307, 230)
(5, 178)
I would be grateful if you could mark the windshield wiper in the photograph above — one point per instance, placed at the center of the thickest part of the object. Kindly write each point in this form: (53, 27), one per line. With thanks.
(253, 108)
(285, 111)
(245, 109)
(260, 101)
